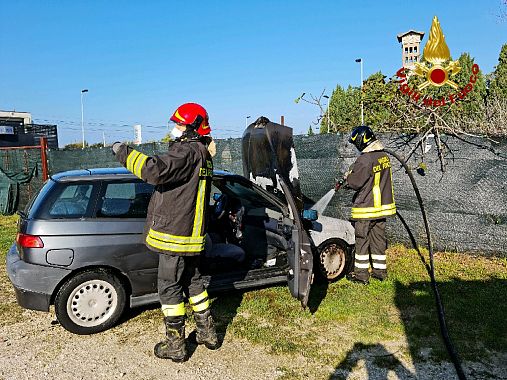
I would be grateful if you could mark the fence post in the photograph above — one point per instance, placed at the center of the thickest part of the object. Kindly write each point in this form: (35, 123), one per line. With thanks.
(43, 157)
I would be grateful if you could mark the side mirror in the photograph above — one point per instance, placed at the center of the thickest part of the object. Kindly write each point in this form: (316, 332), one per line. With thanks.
(310, 215)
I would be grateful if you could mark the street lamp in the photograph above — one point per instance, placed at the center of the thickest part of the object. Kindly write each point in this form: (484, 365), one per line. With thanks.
(82, 115)
(328, 116)
(246, 121)
(360, 60)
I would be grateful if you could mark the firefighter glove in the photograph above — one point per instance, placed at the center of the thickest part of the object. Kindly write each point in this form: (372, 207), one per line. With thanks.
(116, 147)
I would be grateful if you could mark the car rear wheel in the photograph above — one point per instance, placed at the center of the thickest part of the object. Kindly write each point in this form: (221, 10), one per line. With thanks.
(335, 259)
(90, 302)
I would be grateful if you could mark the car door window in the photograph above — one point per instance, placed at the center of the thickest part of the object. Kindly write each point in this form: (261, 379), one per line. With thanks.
(248, 196)
(72, 202)
(125, 200)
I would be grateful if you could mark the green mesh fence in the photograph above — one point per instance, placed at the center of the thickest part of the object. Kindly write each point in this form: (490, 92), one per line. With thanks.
(467, 206)
(20, 178)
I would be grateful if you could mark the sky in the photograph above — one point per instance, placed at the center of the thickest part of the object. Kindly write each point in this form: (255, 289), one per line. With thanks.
(142, 59)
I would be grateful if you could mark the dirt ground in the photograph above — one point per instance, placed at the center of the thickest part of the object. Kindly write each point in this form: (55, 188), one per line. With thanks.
(37, 347)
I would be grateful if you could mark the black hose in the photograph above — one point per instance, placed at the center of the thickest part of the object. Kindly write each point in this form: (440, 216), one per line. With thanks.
(440, 308)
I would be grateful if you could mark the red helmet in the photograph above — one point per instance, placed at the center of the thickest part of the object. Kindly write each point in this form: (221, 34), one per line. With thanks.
(194, 116)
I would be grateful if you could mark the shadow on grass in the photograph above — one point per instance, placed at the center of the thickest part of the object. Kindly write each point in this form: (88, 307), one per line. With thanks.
(318, 292)
(132, 313)
(378, 362)
(224, 309)
(474, 311)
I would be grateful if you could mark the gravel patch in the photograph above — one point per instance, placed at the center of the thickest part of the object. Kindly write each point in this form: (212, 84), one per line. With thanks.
(36, 347)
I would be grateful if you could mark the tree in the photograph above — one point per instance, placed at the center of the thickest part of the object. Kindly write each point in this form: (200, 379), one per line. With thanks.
(498, 86)
(167, 138)
(317, 101)
(310, 131)
(344, 107)
(377, 95)
(469, 113)
(76, 145)
(461, 118)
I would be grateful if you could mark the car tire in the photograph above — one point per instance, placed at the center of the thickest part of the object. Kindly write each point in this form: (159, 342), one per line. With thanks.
(90, 302)
(334, 259)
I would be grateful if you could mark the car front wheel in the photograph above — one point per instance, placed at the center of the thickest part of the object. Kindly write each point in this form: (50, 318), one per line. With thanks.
(334, 260)
(90, 302)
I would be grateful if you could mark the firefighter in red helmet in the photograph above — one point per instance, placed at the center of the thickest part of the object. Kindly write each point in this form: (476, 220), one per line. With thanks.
(176, 224)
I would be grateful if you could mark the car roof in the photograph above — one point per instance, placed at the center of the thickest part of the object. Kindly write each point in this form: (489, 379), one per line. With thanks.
(109, 173)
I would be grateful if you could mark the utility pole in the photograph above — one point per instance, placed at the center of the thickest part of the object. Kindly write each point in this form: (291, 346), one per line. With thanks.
(246, 121)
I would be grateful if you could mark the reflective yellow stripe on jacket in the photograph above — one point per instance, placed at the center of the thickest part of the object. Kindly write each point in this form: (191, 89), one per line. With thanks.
(199, 208)
(135, 162)
(168, 242)
(189, 244)
(373, 212)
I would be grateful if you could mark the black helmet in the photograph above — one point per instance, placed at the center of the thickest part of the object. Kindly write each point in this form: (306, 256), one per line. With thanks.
(361, 137)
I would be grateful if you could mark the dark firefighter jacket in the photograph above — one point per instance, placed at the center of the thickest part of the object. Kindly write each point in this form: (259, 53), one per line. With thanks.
(176, 220)
(371, 177)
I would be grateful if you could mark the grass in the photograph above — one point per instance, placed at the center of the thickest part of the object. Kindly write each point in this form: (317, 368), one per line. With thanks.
(344, 319)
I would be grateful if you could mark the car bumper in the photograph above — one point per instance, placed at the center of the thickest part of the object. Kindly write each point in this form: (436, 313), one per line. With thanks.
(33, 284)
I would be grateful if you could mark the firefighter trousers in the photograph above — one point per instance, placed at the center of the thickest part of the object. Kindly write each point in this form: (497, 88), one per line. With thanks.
(179, 277)
(371, 245)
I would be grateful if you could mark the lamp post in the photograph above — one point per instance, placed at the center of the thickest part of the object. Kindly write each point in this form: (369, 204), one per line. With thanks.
(328, 116)
(246, 121)
(82, 116)
(360, 60)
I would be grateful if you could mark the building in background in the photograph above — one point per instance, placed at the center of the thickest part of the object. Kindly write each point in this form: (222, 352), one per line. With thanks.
(410, 47)
(17, 129)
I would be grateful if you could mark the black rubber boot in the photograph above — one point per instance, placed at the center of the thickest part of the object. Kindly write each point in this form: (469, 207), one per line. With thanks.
(360, 277)
(379, 274)
(173, 347)
(206, 333)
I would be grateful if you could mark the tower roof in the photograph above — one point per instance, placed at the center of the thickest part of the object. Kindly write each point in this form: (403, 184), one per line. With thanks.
(411, 31)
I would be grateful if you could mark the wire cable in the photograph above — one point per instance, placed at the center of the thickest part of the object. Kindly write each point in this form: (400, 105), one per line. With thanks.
(440, 307)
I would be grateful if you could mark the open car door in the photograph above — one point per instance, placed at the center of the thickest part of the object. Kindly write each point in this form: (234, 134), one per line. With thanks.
(299, 253)
(269, 160)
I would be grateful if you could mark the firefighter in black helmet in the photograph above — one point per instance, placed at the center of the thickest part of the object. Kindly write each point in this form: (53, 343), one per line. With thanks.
(371, 177)
(176, 224)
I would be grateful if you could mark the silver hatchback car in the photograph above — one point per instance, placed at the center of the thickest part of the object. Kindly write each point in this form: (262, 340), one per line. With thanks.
(80, 245)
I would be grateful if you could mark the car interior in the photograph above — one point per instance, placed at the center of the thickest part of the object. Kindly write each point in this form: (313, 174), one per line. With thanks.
(244, 231)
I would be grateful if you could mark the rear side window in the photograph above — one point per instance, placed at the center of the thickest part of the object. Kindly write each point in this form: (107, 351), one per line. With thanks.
(72, 202)
(125, 200)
